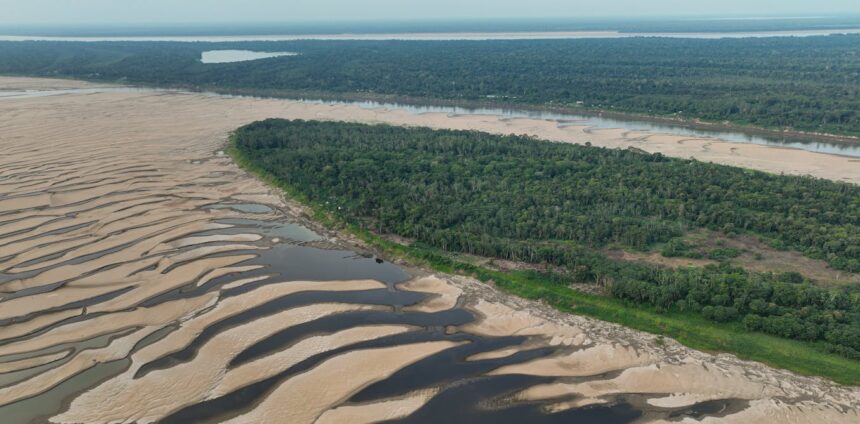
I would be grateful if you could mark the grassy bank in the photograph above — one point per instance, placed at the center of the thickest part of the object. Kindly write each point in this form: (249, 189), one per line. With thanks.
(689, 329)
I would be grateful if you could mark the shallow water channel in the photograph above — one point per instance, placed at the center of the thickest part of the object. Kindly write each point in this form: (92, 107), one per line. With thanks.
(594, 121)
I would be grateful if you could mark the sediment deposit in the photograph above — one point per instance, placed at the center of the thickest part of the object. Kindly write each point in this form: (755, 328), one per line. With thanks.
(141, 281)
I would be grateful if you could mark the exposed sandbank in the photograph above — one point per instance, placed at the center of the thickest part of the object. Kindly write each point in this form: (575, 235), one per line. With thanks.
(105, 207)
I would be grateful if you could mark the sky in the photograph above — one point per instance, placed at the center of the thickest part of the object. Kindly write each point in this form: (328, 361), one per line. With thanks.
(50, 12)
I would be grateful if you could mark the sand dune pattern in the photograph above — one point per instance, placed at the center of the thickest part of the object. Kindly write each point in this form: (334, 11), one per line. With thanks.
(145, 278)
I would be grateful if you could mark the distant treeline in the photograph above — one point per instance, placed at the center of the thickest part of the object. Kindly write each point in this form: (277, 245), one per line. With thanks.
(522, 199)
(806, 84)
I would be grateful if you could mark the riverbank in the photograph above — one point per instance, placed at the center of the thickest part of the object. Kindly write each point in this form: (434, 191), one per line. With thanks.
(676, 121)
(690, 329)
(174, 286)
(673, 121)
(774, 159)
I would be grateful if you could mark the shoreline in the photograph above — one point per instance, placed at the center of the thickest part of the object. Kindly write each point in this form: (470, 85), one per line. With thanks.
(685, 123)
(123, 184)
(427, 261)
(693, 124)
(770, 158)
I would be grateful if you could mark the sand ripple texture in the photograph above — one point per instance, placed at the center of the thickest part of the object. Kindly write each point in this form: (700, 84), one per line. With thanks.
(145, 278)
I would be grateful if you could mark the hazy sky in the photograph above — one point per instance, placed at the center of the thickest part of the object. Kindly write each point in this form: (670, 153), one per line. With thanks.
(172, 11)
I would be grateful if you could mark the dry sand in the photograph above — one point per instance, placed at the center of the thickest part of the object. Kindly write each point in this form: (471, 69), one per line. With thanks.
(103, 206)
(443, 295)
(304, 399)
(376, 412)
(224, 114)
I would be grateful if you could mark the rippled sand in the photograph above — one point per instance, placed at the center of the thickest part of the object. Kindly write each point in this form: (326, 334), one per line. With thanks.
(131, 291)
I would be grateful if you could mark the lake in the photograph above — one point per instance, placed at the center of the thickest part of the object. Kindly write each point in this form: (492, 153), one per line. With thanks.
(228, 56)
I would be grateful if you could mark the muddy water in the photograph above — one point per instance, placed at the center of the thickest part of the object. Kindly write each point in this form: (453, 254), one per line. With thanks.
(39, 408)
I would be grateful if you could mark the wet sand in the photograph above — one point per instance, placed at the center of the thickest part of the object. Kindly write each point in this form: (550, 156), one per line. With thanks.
(138, 285)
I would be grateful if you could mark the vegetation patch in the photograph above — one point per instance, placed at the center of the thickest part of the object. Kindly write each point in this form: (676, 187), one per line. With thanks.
(521, 199)
(808, 84)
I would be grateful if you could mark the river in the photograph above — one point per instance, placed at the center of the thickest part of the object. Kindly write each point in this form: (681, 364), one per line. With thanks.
(439, 36)
(809, 143)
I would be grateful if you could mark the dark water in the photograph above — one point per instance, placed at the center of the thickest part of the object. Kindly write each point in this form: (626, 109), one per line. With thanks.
(465, 393)
(286, 230)
(292, 333)
(307, 263)
(243, 207)
(448, 369)
(472, 402)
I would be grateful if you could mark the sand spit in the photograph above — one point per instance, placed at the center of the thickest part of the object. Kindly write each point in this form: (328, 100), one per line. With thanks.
(152, 397)
(445, 295)
(683, 385)
(23, 83)
(262, 368)
(376, 412)
(118, 349)
(30, 362)
(304, 399)
(121, 243)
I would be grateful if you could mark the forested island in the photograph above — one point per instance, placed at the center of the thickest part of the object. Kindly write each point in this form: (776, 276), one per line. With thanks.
(806, 84)
(558, 205)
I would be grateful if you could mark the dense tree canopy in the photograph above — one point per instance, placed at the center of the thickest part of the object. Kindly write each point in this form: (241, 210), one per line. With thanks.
(447, 184)
(518, 198)
(808, 83)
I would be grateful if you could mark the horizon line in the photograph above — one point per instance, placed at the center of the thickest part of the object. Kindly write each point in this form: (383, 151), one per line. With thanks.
(329, 22)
